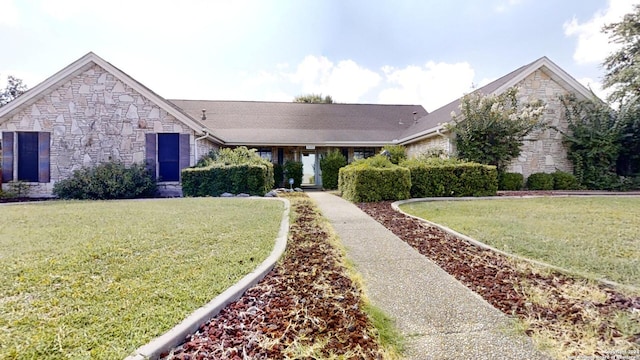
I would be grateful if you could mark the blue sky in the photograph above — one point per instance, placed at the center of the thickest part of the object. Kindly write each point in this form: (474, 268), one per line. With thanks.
(410, 52)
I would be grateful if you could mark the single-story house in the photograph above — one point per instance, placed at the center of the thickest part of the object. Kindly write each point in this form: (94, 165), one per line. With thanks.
(92, 112)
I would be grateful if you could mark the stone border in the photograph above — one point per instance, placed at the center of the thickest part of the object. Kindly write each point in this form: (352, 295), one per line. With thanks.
(177, 334)
(396, 207)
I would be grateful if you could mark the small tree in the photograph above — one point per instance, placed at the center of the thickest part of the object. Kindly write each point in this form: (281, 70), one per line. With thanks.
(330, 166)
(14, 88)
(313, 99)
(491, 129)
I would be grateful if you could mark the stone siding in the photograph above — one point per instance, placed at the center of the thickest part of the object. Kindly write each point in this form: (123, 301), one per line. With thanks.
(543, 151)
(95, 118)
(430, 145)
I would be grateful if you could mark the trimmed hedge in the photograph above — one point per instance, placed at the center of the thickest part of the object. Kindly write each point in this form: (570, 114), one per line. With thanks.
(215, 179)
(374, 179)
(112, 180)
(565, 181)
(510, 181)
(449, 177)
(540, 181)
(293, 169)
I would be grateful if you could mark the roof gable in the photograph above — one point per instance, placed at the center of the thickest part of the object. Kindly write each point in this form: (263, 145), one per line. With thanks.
(79, 66)
(432, 122)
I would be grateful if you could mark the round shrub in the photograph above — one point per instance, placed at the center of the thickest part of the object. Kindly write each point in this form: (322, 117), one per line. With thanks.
(330, 166)
(293, 169)
(510, 181)
(396, 153)
(565, 181)
(540, 181)
(110, 180)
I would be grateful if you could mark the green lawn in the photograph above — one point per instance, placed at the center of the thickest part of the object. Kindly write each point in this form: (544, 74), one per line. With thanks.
(99, 279)
(596, 236)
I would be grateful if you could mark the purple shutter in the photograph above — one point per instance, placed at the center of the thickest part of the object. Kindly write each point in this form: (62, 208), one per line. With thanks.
(44, 175)
(7, 156)
(185, 156)
(150, 153)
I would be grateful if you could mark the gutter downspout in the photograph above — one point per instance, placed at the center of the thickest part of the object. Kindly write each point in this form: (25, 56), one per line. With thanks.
(195, 144)
(448, 140)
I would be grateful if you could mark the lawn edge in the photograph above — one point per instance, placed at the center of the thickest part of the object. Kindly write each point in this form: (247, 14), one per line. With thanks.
(191, 323)
(396, 206)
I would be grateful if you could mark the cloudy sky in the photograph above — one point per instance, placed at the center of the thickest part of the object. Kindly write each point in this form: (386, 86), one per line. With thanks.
(426, 52)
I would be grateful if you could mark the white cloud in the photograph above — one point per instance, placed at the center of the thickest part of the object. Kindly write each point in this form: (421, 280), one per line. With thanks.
(506, 5)
(433, 85)
(593, 45)
(9, 13)
(345, 81)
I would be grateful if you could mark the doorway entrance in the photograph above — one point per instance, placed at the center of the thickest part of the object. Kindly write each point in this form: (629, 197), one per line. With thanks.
(310, 169)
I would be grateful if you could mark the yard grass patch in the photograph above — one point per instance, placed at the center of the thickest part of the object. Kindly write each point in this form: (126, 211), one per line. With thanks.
(97, 280)
(598, 237)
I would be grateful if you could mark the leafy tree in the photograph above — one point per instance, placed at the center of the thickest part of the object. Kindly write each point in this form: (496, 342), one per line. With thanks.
(593, 141)
(622, 70)
(628, 163)
(14, 88)
(313, 99)
(491, 129)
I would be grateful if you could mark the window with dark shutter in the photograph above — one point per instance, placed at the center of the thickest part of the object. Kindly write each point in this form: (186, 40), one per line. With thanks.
(28, 169)
(7, 156)
(169, 157)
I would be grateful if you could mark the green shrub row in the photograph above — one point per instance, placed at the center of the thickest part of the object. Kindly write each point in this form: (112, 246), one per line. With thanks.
(217, 179)
(448, 177)
(558, 180)
(112, 180)
(374, 179)
(510, 181)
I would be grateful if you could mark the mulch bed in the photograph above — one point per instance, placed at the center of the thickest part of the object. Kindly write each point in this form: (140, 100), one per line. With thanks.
(305, 308)
(498, 280)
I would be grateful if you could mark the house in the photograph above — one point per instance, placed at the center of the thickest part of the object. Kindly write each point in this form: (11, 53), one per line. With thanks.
(92, 112)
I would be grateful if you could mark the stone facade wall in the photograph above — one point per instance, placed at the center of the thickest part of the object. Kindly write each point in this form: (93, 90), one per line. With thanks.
(95, 118)
(543, 151)
(426, 146)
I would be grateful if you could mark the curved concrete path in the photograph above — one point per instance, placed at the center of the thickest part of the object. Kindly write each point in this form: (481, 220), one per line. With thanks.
(439, 317)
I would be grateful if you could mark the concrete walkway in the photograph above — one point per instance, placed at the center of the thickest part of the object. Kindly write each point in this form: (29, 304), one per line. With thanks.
(440, 317)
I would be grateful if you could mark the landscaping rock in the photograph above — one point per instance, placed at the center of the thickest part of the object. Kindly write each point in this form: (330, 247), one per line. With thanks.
(243, 195)
(226, 195)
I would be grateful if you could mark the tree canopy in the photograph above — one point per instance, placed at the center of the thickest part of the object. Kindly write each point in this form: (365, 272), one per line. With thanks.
(490, 129)
(313, 99)
(622, 69)
(15, 87)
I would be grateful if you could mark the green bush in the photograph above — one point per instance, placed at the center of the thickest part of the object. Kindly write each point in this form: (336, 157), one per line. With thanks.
(374, 179)
(510, 181)
(540, 181)
(330, 166)
(397, 153)
(110, 180)
(435, 177)
(217, 179)
(564, 181)
(293, 169)
(278, 176)
(239, 170)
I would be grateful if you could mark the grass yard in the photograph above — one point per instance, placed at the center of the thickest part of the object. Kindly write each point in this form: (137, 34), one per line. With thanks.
(597, 237)
(98, 279)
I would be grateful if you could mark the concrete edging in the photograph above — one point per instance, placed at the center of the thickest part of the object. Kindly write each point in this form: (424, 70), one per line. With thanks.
(396, 207)
(189, 325)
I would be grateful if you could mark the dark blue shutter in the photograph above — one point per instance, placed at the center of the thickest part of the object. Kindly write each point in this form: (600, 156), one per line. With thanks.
(7, 156)
(150, 154)
(44, 175)
(185, 156)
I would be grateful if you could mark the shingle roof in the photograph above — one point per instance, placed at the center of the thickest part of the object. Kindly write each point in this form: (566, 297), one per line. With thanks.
(284, 123)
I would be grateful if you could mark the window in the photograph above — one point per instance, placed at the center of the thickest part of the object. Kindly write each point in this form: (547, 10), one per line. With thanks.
(265, 153)
(26, 155)
(363, 153)
(169, 157)
(167, 154)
